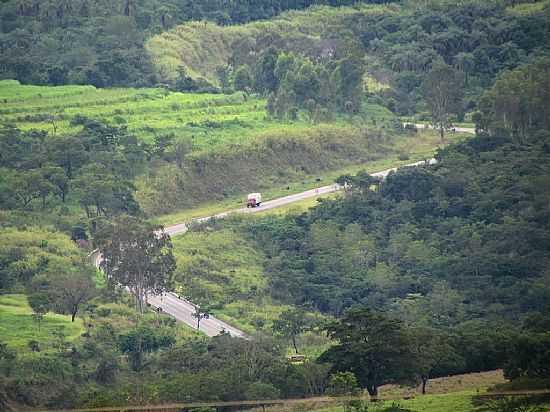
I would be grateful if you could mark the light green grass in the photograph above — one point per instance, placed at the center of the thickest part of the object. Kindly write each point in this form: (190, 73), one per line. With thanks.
(452, 402)
(449, 402)
(17, 326)
(209, 120)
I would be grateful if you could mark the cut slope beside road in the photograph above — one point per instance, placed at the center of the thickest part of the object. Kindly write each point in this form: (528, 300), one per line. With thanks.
(181, 228)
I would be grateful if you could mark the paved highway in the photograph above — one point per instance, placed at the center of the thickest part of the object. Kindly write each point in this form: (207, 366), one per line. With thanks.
(182, 309)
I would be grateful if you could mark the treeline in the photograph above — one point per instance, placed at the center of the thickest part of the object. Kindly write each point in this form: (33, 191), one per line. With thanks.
(441, 245)
(93, 169)
(294, 83)
(480, 39)
(476, 40)
(101, 42)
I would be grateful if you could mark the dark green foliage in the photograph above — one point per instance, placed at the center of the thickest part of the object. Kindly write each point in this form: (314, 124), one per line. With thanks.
(136, 344)
(294, 82)
(429, 242)
(371, 346)
(136, 255)
(443, 89)
(529, 356)
(479, 39)
(65, 289)
(519, 102)
(102, 43)
(292, 323)
(96, 167)
(460, 247)
(529, 353)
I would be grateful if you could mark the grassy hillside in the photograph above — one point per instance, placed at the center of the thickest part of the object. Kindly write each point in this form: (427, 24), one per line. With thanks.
(17, 326)
(202, 47)
(235, 145)
(225, 270)
(208, 120)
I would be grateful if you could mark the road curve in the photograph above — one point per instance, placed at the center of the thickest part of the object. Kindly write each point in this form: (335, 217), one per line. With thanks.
(182, 309)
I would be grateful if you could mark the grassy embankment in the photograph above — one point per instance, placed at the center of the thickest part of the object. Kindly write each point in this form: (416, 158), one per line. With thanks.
(416, 148)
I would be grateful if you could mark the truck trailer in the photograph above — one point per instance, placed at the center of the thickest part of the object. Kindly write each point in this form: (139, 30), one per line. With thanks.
(254, 200)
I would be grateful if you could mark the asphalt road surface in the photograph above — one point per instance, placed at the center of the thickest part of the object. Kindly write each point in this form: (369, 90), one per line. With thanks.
(182, 309)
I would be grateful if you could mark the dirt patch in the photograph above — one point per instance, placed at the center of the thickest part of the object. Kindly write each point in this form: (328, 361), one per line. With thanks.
(457, 383)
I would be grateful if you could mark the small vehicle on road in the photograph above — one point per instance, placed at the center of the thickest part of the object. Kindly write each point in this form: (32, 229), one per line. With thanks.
(254, 200)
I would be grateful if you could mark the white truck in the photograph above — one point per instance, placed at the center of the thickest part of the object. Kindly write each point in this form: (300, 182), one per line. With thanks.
(254, 200)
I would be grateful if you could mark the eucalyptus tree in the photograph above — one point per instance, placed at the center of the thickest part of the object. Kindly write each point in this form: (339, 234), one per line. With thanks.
(138, 256)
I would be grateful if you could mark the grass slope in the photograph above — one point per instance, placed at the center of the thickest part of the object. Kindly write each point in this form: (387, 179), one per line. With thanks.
(209, 120)
(17, 326)
(219, 265)
(202, 47)
(416, 148)
(225, 270)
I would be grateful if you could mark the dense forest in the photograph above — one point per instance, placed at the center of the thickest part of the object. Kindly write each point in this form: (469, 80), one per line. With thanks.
(464, 239)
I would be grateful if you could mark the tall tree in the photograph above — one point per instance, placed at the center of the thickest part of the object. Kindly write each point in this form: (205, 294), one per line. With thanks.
(443, 89)
(140, 341)
(137, 255)
(291, 323)
(67, 288)
(434, 354)
(371, 346)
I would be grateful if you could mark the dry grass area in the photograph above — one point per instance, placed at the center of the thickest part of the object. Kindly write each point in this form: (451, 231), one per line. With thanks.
(457, 383)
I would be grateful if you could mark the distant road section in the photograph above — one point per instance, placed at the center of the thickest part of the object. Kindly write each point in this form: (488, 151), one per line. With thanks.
(282, 201)
(182, 309)
(469, 130)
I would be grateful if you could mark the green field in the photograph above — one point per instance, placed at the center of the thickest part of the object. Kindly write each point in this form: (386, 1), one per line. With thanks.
(209, 120)
(17, 326)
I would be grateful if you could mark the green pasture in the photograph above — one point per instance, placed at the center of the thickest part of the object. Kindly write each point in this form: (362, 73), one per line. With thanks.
(209, 120)
(17, 326)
